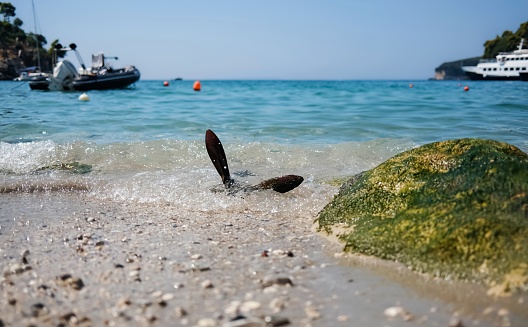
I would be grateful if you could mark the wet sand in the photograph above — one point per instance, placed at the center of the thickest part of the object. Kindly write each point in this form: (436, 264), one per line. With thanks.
(74, 260)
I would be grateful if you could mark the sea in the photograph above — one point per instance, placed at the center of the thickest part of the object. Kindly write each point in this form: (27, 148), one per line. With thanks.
(145, 144)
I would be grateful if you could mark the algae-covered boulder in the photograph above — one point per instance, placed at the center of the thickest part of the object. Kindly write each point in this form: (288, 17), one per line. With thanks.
(72, 167)
(455, 209)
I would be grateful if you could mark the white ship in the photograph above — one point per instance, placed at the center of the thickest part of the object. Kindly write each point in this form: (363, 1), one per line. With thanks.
(506, 66)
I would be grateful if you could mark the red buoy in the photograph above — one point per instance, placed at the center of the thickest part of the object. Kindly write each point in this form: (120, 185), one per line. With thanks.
(165, 83)
(466, 88)
(197, 86)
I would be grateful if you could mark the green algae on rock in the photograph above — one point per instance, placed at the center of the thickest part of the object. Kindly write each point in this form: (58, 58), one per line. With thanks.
(455, 209)
(72, 167)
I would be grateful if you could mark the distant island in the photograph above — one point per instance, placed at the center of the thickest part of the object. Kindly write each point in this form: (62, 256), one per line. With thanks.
(507, 42)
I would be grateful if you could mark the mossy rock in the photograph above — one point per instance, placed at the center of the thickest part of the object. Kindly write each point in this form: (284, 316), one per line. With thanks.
(72, 167)
(454, 209)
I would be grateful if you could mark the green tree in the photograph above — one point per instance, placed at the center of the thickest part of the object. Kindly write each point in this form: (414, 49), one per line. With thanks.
(52, 49)
(8, 10)
(18, 22)
(508, 41)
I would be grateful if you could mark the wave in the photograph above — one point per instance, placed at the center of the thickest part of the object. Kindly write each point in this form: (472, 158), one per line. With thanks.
(179, 173)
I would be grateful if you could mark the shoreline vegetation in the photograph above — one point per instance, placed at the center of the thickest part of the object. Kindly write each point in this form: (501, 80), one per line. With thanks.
(21, 50)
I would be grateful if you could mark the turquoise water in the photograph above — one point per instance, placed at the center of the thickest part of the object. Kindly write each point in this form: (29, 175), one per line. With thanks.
(283, 112)
(147, 143)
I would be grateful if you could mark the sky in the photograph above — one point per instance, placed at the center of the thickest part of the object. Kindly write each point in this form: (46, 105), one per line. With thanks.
(285, 40)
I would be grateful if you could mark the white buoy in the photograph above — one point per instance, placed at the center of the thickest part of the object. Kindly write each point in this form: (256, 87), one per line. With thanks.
(84, 97)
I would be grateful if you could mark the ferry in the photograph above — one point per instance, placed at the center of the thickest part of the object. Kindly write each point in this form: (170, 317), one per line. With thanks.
(508, 66)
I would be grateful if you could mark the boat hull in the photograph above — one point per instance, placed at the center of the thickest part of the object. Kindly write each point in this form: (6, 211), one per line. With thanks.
(107, 81)
(40, 83)
(524, 76)
(479, 77)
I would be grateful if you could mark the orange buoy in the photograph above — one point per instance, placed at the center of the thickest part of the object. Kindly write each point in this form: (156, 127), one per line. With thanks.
(411, 85)
(197, 86)
(466, 88)
(165, 83)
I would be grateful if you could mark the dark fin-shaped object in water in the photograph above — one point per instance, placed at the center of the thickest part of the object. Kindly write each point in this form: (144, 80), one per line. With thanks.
(216, 153)
(281, 184)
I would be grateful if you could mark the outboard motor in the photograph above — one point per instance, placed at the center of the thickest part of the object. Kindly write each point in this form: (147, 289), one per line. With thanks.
(63, 75)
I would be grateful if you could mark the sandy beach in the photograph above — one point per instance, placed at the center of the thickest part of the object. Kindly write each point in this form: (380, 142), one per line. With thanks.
(72, 260)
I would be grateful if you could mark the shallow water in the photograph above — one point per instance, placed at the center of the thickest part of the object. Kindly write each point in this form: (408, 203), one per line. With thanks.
(146, 143)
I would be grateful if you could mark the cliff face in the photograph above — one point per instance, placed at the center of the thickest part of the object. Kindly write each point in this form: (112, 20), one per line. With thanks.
(9, 68)
(449, 71)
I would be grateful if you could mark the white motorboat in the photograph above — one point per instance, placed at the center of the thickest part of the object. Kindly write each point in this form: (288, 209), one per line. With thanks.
(99, 76)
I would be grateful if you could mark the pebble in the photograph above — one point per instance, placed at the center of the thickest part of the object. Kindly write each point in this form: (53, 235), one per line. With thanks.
(312, 313)
(269, 281)
(133, 273)
(156, 294)
(37, 309)
(395, 311)
(503, 312)
(277, 304)
(196, 256)
(207, 284)
(455, 322)
(245, 322)
(178, 285)
(167, 297)
(207, 322)
(14, 269)
(275, 321)
(71, 282)
(249, 306)
(46, 290)
(123, 302)
(180, 312)
(278, 252)
(270, 289)
(488, 310)
(233, 308)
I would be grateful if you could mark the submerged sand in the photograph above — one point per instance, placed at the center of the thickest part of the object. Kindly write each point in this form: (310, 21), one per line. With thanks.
(73, 260)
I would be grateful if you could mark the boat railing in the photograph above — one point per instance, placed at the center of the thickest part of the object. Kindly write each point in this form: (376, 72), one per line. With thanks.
(484, 61)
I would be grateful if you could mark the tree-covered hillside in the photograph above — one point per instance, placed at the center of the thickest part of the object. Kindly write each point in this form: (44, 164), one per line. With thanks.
(509, 41)
(18, 48)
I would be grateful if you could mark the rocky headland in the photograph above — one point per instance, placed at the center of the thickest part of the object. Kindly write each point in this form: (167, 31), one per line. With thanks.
(449, 71)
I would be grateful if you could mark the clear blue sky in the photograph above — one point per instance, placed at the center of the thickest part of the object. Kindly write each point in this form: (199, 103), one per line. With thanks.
(286, 39)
